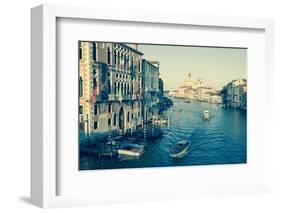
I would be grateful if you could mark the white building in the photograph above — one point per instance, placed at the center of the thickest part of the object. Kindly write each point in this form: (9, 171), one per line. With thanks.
(235, 94)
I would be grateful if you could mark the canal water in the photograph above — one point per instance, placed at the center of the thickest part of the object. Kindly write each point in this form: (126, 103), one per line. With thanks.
(221, 140)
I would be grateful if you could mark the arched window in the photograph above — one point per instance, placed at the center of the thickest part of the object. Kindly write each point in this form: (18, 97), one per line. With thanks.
(128, 61)
(118, 88)
(80, 52)
(109, 86)
(115, 57)
(122, 87)
(128, 88)
(94, 78)
(80, 87)
(94, 82)
(115, 88)
(125, 89)
(121, 61)
(125, 61)
(139, 66)
(132, 64)
(108, 55)
(94, 51)
(118, 59)
(114, 119)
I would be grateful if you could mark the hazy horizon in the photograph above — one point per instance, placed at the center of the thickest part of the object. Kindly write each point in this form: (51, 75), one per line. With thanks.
(216, 66)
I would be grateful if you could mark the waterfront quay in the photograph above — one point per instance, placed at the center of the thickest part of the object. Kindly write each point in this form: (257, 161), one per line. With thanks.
(106, 145)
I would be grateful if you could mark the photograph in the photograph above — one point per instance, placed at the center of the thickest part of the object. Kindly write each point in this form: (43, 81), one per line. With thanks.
(160, 105)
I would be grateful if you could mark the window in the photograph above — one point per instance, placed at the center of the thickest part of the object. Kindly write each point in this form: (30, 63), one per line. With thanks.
(132, 62)
(94, 82)
(109, 107)
(109, 122)
(128, 60)
(115, 57)
(108, 82)
(80, 52)
(80, 87)
(118, 88)
(94, 72)
(114, 119)
(95, 125)
(128, 117)
(95, 109)
(108, 55)
(122, 89)
(80, 109)
(128, 89)
(139, 66)
(125, 61)
(115, 88)
(121, 61)
(125, 89)
(94, 51)
(94, 78)
(109, 86)
(118, 59)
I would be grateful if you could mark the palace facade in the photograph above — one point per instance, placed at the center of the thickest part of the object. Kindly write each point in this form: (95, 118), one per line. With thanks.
(110, 87)
(150, 73)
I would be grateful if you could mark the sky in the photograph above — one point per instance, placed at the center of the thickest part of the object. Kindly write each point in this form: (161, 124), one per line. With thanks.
(215, 66)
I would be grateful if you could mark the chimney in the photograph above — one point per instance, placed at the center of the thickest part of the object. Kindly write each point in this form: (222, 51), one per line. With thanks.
(136, 46)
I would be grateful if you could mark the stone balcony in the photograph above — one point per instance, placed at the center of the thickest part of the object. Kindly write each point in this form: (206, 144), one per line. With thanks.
(124, 97)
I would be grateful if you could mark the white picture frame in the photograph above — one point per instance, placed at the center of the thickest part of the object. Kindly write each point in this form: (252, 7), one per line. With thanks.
(44, 154)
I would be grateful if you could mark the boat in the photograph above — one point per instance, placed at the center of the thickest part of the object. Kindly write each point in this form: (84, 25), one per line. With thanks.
(180, 149)
(187, 101)
(206, 115)
(132, 150)
(177, 110)
(160, 121)
(111, 143)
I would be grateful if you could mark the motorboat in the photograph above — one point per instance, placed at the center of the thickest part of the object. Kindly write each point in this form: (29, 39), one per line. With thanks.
(133, 150)
(180, 149)
(206, 115)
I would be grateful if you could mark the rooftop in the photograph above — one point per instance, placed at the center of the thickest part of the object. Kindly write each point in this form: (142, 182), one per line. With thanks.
(150, 63)
(130, 48)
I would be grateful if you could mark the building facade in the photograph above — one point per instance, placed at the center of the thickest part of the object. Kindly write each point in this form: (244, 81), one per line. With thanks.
(150, 74)
(110, 87)
(234, 94)
(161, 94)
